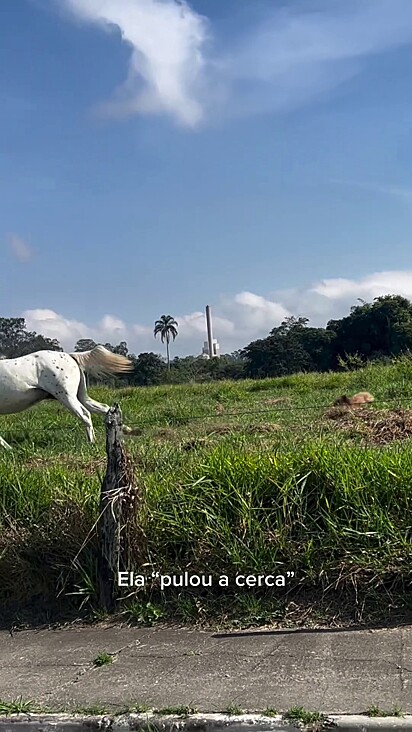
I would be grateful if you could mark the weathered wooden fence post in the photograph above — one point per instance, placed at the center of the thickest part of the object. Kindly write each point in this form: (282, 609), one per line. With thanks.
(116, 489)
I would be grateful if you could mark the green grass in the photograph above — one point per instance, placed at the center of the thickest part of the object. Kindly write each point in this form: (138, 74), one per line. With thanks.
(375, 711)
(144, 613)
(299, 714)
(233, 710)
(181, 710)
(221, 492)
(94, 711)
(17, 706)
(103, 659)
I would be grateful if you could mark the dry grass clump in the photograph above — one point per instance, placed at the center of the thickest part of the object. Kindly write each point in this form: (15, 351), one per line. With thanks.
(362, 397)
(377, 427)
(38, 561)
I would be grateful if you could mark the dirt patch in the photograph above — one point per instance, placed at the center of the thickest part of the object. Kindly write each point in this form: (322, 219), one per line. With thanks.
(377, 427)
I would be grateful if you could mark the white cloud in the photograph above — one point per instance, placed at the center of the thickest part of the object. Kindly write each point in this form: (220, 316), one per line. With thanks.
(257, 313)
(51, 324)
(194, 325)
(379, 283)
(332, 298)
(167, 41)
(21, 250)
(236, 321)
(113, 325)
(68, 331)
(287, 56)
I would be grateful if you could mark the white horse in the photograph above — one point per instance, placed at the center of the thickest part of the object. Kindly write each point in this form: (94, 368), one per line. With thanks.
(26, 380)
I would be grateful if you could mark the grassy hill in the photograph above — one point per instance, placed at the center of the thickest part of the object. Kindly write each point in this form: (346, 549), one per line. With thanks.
(232, 482)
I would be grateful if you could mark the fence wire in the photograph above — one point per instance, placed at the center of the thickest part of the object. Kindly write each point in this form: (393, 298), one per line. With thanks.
(182, 420)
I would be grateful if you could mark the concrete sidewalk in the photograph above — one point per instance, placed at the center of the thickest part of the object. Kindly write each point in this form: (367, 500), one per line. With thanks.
(334, 672)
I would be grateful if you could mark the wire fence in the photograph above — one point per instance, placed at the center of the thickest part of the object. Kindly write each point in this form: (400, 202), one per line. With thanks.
(182, 420)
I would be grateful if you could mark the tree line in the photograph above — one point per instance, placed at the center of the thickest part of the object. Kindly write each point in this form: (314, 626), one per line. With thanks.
(371, 331)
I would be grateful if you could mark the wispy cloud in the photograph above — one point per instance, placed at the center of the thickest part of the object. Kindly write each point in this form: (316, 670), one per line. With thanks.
(21, 250)
(403, 193)
(237, 320)
(179, 65)
(167, 41)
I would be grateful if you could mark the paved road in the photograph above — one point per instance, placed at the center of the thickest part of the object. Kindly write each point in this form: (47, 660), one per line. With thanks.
(330, 671)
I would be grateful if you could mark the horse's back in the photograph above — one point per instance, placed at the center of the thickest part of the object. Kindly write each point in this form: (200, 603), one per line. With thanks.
(43, 359)
(28, 379)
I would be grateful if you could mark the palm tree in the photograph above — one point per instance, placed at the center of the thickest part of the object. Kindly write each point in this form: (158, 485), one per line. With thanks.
(166, 326)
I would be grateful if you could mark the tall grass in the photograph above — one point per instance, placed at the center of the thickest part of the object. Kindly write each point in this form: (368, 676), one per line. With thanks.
(303, 499)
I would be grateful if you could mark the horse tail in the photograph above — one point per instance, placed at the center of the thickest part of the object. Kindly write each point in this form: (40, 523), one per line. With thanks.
(101, 362)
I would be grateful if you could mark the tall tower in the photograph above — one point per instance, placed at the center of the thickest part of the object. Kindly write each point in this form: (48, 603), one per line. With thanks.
(209, 331)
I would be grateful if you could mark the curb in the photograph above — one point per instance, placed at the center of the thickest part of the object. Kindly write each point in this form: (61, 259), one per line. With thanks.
(194, 723)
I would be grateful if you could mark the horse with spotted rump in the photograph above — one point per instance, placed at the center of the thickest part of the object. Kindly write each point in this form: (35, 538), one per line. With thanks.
(27, 380)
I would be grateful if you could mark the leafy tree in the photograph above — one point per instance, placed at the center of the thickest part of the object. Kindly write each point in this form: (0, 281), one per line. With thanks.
(149, 369)
(291, 347)
(121, 349)
(189, 368)
(275, 356)
(84, 344)
(374, 330)
(12, 334)
(318, 344)
(198, 369)
(290, 325)
(166, 327)
(225, 367)
(37, 342)
(235, 356)
(16, 341)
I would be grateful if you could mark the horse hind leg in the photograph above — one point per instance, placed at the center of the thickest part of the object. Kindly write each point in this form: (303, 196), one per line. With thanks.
(98, 408)
(5, 444)
(87, 401)
(76, 407)
(63, 386)
(93, 406)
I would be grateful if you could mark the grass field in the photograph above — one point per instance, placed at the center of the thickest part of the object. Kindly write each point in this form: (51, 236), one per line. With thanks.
(231, 482)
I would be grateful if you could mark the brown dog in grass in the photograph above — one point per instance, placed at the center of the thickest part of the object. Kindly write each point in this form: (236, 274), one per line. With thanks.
(363, 397)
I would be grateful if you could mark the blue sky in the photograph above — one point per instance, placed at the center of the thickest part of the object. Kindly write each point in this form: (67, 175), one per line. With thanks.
(157, 157)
